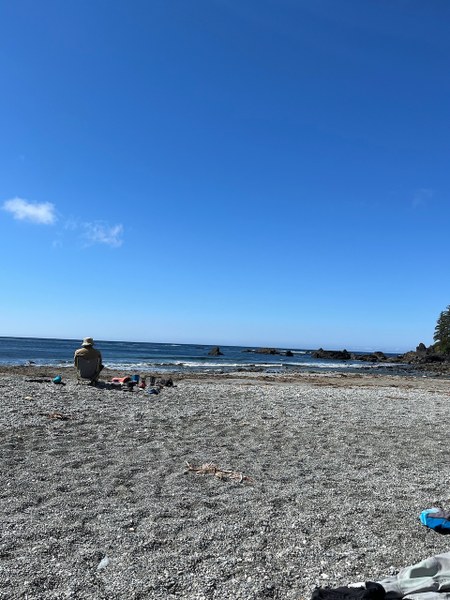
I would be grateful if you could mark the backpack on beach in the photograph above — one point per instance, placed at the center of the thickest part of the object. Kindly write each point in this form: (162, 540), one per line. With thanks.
(437, 519)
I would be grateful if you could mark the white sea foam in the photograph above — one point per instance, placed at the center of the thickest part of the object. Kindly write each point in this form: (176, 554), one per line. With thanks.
(340, 365)
(195, 364)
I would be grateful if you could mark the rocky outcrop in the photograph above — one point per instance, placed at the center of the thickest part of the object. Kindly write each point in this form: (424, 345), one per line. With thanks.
(423, 358)
(427, 359)
(372, 357)
(269, 351)
(332, 354)
(345, 355)
(215, 351)
(421, 355)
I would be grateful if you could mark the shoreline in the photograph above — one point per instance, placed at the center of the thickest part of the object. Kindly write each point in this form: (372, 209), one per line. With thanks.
(291, 374)
(99, 504)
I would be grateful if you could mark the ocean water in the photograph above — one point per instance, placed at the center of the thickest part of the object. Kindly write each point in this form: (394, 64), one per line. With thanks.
(147, 357)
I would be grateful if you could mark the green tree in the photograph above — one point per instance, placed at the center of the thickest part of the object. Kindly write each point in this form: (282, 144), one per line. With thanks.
(442, 331)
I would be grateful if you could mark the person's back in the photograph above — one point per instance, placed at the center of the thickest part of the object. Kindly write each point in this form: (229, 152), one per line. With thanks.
(88, 352)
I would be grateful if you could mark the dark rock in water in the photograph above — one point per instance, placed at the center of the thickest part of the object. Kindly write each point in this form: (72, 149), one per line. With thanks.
(373, 357)
(345, 355)
(215, 351)
(332, 354)
(289, 353)
(421, 348)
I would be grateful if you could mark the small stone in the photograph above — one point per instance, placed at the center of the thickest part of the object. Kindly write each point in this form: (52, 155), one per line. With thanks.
(103, 564)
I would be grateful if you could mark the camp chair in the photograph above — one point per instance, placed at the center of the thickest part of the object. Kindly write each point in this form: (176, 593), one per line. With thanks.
(87, 368)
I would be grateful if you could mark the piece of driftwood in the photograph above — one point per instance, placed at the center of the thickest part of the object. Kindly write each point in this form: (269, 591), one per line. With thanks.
(222, 474)
(56, 415)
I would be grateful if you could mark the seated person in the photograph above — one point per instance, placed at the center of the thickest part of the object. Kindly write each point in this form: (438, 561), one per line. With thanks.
(88, 352)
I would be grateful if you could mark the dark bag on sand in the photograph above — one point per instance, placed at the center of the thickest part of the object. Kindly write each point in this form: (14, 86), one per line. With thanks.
(164, 382)
(372, 591)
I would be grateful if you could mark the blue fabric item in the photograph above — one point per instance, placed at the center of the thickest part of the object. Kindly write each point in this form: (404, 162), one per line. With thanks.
(57, 379)
(437, 519)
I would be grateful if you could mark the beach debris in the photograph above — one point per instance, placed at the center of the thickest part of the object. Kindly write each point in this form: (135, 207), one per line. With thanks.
(222, 474)
(57, 379)
(162, 382)
(121, 379)
(56, 415)
(103, 563)
(126, 383)
(153, 390)
(437, 519)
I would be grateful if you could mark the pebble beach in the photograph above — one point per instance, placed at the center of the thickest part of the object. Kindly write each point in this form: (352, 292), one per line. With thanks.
(312, 480)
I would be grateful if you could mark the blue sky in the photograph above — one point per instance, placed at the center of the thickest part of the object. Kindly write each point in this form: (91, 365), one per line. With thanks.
(225, 171)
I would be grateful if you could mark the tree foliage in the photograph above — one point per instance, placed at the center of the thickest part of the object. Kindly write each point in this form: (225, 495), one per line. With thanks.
(442, 331)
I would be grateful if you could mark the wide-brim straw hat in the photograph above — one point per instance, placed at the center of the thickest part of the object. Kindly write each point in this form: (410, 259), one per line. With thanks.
(88, 342)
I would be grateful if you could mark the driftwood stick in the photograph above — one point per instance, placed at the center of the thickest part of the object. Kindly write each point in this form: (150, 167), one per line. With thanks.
(212, 469)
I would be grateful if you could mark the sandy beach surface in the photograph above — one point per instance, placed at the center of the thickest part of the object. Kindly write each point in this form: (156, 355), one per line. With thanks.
(323, 480)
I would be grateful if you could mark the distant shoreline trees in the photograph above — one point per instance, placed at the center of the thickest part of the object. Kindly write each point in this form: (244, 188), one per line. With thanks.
(442, 332)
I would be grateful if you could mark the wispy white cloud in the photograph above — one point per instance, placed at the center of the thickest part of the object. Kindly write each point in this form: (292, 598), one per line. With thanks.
(92, 232)
(41, 213)
(422, 197)
(103, 233)
(71, 224)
